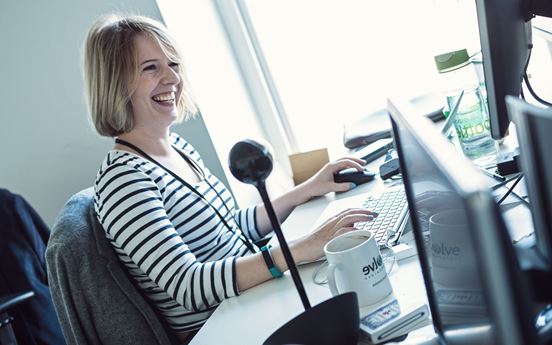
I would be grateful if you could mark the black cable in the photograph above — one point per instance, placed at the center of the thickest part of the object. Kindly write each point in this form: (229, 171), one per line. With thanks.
(532, 92)
(505, 182)
(528, 84)
(510, 190)
(530, 47)
(493, 175)
(522, 198)
(521, 94)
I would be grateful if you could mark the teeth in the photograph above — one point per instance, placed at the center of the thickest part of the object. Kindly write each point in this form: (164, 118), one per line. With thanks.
(165, 97)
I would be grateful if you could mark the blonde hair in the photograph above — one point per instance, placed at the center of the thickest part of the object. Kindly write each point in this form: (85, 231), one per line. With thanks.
(111, 70)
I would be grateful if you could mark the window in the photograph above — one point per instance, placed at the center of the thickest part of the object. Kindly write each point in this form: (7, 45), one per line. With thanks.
(334, 61)
(327, 63)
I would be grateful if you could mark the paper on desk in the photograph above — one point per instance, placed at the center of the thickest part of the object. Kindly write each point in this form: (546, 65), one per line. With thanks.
(518, 221)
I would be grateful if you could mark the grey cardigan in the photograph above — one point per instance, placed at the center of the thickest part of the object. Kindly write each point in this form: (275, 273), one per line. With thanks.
(95, 300)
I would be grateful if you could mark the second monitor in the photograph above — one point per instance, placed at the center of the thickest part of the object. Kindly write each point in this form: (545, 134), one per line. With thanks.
(473, 280)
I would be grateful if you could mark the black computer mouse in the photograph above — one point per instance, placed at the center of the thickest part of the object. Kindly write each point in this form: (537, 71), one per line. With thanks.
(354, 176)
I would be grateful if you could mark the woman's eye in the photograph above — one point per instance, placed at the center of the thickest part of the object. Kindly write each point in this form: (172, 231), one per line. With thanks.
(174, 64)
(149, 68)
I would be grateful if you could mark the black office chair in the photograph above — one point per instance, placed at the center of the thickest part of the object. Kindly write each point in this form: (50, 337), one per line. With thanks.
(23, 238)
(7, 336)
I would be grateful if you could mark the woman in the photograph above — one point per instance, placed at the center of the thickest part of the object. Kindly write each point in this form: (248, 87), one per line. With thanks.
(171, 222)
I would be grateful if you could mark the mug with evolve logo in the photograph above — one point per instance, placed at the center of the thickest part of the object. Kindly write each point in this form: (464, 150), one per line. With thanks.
(355, 264)
(452, 255)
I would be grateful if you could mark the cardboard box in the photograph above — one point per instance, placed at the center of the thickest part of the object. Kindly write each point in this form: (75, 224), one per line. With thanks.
(306, 164)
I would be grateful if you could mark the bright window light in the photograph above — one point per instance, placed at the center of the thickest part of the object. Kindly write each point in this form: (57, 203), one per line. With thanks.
(335, 61)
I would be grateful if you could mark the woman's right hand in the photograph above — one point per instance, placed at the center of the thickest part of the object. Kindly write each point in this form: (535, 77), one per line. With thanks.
(311, 247)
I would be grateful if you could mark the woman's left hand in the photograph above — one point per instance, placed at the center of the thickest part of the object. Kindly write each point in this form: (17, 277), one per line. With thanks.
(323, 181)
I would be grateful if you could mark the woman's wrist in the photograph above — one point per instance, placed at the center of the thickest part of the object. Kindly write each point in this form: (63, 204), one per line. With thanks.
(279, 259)
(303, 193)
(269, 261)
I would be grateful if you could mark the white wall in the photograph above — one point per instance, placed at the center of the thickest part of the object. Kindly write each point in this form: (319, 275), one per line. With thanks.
(48, 148)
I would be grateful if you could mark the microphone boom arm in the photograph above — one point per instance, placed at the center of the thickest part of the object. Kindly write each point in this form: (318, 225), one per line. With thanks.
(283, 245)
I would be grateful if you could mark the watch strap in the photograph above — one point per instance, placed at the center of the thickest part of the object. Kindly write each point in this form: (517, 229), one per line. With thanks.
(267, 256)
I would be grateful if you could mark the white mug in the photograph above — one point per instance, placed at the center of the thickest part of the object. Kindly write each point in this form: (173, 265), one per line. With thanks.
(452, 257)
(355, 264)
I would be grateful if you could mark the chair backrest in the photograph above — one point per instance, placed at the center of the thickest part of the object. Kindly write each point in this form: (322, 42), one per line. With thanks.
(95, 299)
(23, 238)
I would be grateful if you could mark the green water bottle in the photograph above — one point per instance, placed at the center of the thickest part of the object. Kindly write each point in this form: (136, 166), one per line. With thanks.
(460, 84)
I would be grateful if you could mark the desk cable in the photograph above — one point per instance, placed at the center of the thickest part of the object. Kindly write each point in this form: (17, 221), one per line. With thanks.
(528, 83)
(510, 190)
(504, 182)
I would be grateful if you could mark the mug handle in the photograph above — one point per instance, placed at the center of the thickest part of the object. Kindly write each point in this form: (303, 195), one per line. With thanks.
(331, 279)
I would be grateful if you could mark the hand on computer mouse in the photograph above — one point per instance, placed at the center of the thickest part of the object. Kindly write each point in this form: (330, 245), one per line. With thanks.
(354, 176)
(323, 181)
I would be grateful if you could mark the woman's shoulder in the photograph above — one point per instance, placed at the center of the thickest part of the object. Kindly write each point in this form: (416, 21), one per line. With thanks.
(123, 165)
(185, 146)
(120, 158)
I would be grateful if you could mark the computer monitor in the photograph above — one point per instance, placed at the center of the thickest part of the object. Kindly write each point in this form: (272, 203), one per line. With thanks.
(505, 35)
(533, 126)
(476, 290)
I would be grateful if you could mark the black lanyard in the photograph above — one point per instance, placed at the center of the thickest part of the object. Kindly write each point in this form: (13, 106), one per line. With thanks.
(200, 171)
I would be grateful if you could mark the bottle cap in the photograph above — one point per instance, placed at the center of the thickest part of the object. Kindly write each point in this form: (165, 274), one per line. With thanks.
(452, 61)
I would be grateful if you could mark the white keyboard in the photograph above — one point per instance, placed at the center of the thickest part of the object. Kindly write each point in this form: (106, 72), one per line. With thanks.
(392, 209)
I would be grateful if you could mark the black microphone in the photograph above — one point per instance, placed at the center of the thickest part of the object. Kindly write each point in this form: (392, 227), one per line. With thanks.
(334, 321)
(251, 163)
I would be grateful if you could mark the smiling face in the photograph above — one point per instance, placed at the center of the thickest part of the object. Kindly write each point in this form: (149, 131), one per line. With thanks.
(157, 87)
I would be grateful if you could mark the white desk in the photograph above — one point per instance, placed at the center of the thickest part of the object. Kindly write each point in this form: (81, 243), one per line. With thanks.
(251, 317)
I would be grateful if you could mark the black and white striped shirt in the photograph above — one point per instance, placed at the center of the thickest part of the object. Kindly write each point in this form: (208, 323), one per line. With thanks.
(170, 240)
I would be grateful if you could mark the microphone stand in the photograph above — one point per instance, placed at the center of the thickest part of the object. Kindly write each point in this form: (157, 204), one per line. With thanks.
(334, 321)
(261, 187)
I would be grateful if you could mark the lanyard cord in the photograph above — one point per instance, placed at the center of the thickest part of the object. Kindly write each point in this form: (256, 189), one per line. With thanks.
(200, 171)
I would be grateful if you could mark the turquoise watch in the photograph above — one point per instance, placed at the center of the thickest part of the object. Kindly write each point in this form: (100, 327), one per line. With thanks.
(267, 256)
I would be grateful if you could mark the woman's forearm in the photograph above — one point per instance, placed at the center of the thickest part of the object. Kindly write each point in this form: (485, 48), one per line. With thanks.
(319, 184)
(252, 270)
(283, 206)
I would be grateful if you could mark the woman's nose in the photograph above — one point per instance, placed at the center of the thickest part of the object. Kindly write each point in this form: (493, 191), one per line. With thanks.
(170, 76)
